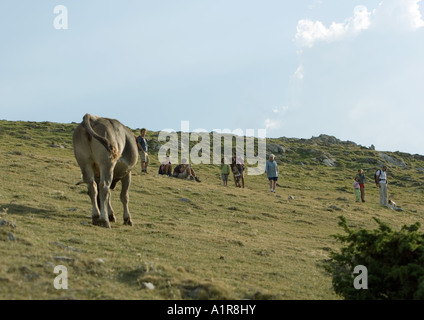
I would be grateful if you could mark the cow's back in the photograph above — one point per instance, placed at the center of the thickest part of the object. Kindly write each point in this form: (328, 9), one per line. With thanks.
(89, 151)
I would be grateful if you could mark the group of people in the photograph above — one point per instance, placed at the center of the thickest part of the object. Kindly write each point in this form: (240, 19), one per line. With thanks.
(380, 181)
(237, 168)
(184, 170)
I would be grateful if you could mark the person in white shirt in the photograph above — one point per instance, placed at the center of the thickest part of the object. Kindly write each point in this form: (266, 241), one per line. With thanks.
(382, 185)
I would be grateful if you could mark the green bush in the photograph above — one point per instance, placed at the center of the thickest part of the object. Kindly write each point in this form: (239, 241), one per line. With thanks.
(394, 260)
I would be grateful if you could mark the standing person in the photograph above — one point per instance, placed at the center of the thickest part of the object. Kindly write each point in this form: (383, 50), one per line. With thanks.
(142, 149)
(236, 175)
(225, 172)
(357, 187)
(361, 176)
(271, 169)
(237, 166)
(381, 181)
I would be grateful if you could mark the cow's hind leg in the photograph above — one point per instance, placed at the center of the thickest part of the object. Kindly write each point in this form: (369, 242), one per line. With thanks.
(93, 193)
(111, 213)
(104, 192)
(125, 199)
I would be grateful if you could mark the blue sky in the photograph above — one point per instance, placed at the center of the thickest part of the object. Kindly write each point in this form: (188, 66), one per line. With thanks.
(346, 68)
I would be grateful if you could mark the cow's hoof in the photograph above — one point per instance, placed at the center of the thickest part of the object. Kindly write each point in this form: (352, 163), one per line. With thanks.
(128, 222)
(101, 223)
(95, 220)
(112, 218)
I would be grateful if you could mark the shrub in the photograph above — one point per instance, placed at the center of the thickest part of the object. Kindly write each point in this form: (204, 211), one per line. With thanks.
(394, 260)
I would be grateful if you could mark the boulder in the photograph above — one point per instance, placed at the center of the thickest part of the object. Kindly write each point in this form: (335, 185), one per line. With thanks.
(275, 148)
(330, 162)
(392, 160)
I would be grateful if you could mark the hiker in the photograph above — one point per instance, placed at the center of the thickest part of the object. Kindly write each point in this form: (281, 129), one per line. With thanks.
(184, 170)
(237, 167)
(382, 184)
(225, 171)
(142, 149)
(271, 169)
(357, 188)
(236, 174)
(166, 167)
(361, 176)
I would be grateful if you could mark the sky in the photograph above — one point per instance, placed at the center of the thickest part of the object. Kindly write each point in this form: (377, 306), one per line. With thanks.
(351, 69)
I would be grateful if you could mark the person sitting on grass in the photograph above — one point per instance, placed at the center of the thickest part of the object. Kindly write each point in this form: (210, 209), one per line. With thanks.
(166, 167)
(184, 170)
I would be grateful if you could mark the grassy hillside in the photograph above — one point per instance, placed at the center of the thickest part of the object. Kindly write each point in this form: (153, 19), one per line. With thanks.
(190, 240)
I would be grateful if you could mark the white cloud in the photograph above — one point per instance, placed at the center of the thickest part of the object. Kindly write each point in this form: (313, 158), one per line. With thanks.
(315, 4)
(399, 14)
(299, 73)
(271, 124)
(283, 109)
(309, 32)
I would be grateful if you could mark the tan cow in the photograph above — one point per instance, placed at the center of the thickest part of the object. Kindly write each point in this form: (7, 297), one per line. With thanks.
(106, 151)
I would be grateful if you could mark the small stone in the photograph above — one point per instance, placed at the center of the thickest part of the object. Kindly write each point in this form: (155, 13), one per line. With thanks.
(63, 258)
(99, 261)
(11, 236)
(148, 285)
(4, 223)
(331, 208)
(291, 198)
(184, 200)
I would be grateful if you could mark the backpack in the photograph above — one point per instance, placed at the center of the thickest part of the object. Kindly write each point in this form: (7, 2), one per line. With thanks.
(162, 169)
(376, 176)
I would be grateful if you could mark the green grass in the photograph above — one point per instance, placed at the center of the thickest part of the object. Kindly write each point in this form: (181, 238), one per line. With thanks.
(191, 240)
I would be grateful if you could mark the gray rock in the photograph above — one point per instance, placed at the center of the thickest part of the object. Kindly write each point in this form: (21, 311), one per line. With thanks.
(324, 139)
(184, 200)
(329, 162)
(291, 197)
(335, 208)
(5, 223)
(11, 236)
(66, 247)
(392, 160)
(63, 258)
(275, 148)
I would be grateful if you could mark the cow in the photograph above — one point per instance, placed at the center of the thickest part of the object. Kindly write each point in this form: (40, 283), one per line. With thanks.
(106, 151)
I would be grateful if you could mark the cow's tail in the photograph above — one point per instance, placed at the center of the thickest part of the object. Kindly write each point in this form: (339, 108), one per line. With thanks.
(104, 141)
